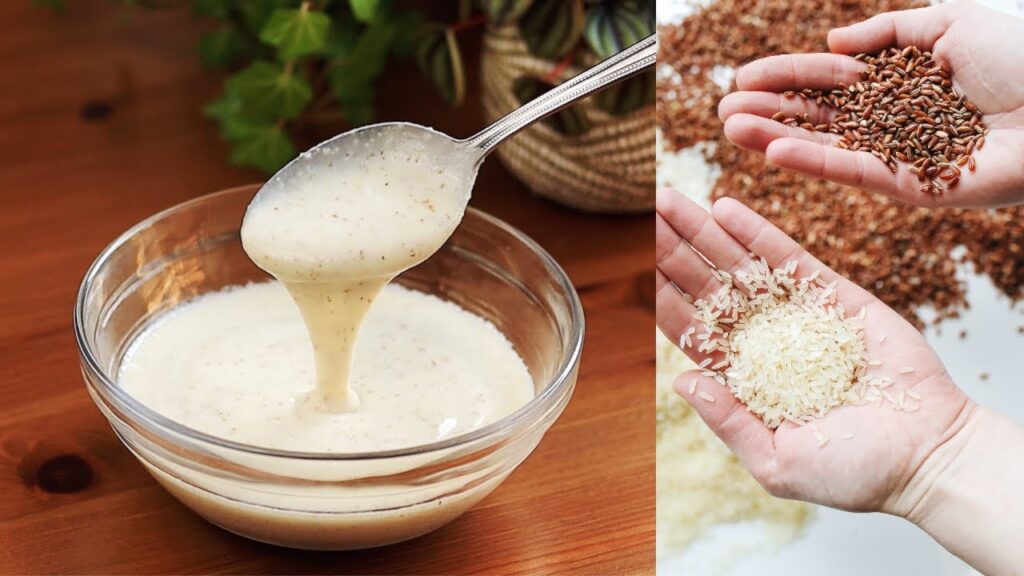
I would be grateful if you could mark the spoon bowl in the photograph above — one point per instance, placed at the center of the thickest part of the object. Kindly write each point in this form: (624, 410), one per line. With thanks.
(366, 183)
(366, 141)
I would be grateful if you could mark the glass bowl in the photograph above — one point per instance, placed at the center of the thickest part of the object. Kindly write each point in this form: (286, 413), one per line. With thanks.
(326, 501)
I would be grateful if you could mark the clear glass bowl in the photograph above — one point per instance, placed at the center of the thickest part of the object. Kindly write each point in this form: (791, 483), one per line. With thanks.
(317, 500)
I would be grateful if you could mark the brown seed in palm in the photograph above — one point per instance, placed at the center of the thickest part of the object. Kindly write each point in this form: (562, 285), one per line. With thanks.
(904, 107)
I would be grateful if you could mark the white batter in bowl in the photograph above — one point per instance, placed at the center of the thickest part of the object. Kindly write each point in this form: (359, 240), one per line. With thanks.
(326, 500)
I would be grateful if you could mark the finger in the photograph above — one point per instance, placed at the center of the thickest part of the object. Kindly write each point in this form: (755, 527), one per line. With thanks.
(768, 104)
(680, 264)
(765, 240)
(988, 187)
(743, 432)
(675, 311)
(858, 169)
(675, 317)
(797, 71)
(919, 27)
(698, 229)
(755, 133)
(659, 280)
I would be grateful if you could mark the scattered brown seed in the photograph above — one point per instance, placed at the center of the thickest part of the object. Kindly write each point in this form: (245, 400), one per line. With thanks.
(901, 253)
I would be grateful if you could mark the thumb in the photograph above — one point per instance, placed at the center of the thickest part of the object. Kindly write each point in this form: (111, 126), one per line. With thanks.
(741, 430)
(919, 27)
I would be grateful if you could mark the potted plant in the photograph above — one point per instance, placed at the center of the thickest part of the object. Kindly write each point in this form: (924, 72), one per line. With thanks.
(289, 63)
(599, 154)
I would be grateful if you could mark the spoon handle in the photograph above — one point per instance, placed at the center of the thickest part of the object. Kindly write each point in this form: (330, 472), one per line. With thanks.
(630, 61)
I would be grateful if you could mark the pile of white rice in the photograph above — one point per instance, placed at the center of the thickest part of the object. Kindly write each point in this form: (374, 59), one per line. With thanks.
(784, 346)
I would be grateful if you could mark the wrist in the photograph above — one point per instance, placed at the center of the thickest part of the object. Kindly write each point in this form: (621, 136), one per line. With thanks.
(932, 482)
(966, 493)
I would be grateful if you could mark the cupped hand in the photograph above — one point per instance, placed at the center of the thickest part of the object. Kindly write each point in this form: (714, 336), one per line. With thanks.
(980, 47)
(873, 453)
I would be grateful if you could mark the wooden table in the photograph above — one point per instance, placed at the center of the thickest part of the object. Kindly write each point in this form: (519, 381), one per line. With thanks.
(100, 127)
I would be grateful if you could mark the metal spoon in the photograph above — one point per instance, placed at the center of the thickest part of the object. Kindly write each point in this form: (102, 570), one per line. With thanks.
(473, 150)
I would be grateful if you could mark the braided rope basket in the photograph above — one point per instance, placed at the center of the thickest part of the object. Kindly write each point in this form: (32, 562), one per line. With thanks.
(608, 169)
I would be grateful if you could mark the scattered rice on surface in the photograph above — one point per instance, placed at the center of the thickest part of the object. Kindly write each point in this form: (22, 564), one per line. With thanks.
(700, 483)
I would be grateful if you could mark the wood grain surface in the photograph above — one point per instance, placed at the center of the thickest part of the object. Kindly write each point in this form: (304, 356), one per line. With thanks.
(100, 127)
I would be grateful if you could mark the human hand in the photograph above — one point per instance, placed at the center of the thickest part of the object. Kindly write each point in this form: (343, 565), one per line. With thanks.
(876, 468)
(980, 47)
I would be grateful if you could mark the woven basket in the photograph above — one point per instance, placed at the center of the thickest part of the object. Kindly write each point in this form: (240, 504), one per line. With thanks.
(609, 169)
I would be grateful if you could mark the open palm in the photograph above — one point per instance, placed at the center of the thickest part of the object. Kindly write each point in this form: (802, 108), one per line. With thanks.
(979, 46)
(873, 452)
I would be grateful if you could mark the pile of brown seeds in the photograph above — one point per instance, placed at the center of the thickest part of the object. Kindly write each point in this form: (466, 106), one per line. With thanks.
(904, 254)
(904, 109)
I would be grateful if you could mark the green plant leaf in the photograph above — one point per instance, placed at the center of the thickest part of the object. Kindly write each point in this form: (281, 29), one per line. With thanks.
(365, 10)
(352, 74)
(228, 105)
(408, 25)
(342, 38)
(219, 9)
(355, 98)
(612, 27)
(221, 47)
(501, 12)
(351, 78)
(264, 146)
(296, 33)
(571, 121)
(255, 13)
(352, 86)
(438, 58)
(270, 92)
(551, 28)
(357, 106)
(628, 95)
